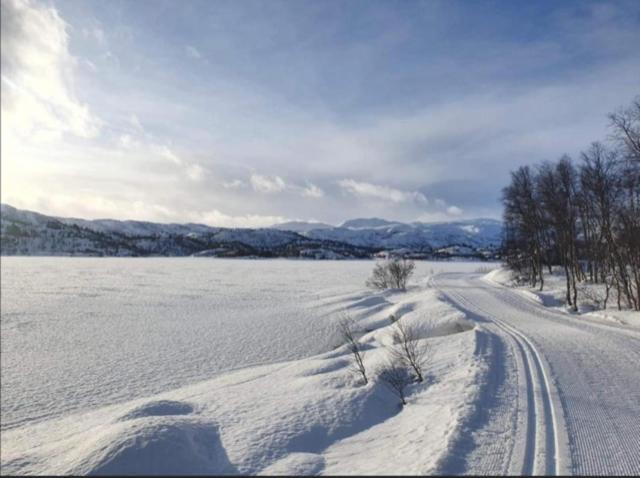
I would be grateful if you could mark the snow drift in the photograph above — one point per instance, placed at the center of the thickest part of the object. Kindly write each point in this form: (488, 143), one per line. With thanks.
(554, 293)
(308, 416)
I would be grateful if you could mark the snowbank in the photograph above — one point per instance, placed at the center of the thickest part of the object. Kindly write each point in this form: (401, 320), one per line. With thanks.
(554, 292)
(308, 416)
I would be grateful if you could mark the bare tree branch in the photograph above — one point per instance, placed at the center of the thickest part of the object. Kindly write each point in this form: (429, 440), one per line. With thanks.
(409, 350)
(396, 378)
(347, 330)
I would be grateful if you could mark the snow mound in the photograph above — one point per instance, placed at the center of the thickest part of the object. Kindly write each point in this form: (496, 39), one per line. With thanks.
(155, 446)
(296, 464)
(427, 326)
(499, 276)
(326, 366)
(590, 297)
(426, 312)
(159, 408)
(307, 416)
(374, 301)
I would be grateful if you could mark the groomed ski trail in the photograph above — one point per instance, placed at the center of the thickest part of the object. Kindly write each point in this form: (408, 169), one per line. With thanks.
(562, 396)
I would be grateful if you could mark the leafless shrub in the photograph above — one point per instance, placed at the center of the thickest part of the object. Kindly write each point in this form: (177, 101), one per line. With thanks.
(391, 274)
(396, 378)
(459, 328)
(595, 294)
(347, 330)
(409, 350)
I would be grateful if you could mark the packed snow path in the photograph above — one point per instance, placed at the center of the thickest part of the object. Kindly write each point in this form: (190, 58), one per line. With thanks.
(563, 394)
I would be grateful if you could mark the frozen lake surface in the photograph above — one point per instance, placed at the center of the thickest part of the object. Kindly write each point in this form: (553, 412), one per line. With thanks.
(78, 333)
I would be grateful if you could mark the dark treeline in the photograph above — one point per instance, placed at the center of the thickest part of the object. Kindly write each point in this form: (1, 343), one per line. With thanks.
(583, 216)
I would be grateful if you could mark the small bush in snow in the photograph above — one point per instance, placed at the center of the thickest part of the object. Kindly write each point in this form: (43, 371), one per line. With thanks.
(347, 330)
(409, 350)
(396, 378)
(391, 274)
(595, 295)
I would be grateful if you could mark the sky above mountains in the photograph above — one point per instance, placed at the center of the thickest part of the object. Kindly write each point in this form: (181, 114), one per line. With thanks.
(256, 112)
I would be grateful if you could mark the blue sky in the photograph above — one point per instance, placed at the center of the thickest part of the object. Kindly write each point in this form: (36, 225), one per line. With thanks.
(253, 112)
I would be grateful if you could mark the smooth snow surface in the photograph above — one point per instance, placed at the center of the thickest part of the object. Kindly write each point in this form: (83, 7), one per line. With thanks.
(78, 333)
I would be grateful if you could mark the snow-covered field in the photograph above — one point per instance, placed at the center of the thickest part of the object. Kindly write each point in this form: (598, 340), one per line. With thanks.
(89, 343)
(512, 386)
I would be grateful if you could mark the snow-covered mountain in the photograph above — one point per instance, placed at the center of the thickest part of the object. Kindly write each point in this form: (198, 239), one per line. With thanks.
(417, 236)
(367, 223)
(30, 233)
(300, 226)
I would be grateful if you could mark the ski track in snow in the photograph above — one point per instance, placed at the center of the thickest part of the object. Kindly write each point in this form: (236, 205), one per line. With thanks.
(578, 395)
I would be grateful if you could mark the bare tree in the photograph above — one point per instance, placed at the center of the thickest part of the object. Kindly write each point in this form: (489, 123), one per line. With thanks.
(408, 349)
(556, 186)
(347, 326)
(396, 378)
(525, 243)
(391, 274)
(626, 129)
(585, 219)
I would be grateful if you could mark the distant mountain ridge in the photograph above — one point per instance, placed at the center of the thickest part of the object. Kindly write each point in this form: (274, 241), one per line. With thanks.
(300, 226)
(31, 233)
(367, 223)
(418, 236)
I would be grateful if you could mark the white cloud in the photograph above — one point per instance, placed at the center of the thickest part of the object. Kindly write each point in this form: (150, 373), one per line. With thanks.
(312, 191)
(127, 141)
(195, 172)
(192, 52)
(165, 152)
(96, 33)
(90, 65)
(454, 211)
(86, 204)
(38, 100)
(267, 184)
(90, 206)
(456, 146)
(234, 184)
(135, 122)
(363, 189)
(441, 211)
(144, 143)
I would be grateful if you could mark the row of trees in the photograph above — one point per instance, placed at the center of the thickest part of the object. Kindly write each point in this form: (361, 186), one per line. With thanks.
(583, 217)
